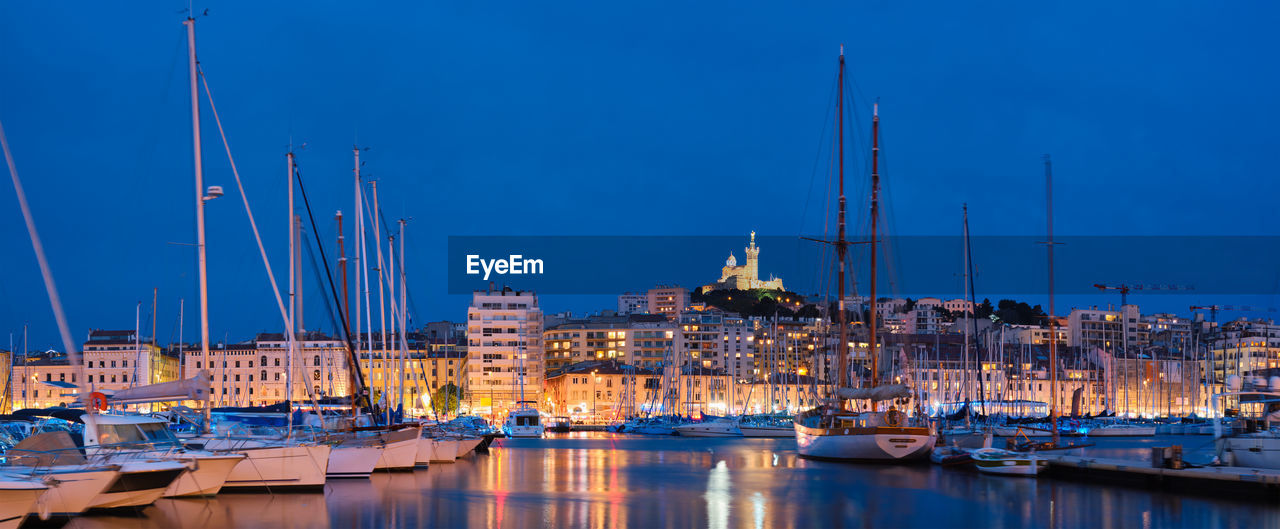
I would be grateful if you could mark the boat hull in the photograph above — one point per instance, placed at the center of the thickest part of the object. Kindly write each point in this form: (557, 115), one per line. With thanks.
(73, 490)
(1011, 467)
(465, 446)
(708, 430)
(17, 498)
(206, 475)
(1254, 452)
(353, 461)
(1135, 431)
(399, 455)
(864, 444)
(766, 431)
(138, 484)
(280, 467)
(444, 450)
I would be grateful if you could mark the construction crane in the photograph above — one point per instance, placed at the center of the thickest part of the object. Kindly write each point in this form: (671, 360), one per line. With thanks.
(1125, 289)
(1213, 309)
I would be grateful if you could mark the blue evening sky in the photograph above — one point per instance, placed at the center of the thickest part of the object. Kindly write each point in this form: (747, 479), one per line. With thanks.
(606, 118)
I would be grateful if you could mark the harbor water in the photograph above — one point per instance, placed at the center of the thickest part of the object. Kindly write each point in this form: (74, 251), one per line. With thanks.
(608, 480)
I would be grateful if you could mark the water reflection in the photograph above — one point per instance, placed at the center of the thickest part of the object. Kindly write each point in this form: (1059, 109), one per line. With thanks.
(603, 480)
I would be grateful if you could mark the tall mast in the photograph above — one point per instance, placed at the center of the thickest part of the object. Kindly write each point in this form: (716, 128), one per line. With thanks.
(382, 313)
(404, 333)
(182, 345)
(875, 214)
(1053, 334)
(387, 366)
(361, 345)
(299, 325)
(192, 66)
(151, 361)
(342, 270)
(289, 327)
(842, 246)
(137, 341)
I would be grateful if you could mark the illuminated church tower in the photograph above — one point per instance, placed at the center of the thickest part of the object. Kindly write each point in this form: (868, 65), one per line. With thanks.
(746, 276)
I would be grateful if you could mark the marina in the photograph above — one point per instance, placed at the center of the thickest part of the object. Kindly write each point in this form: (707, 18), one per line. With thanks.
(422, 360)
(598, 479)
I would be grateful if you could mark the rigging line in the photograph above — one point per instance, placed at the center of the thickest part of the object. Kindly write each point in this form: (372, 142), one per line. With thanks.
(266, 263)
(817, 157)
(358, 390)
(315, 273)
(387, 234)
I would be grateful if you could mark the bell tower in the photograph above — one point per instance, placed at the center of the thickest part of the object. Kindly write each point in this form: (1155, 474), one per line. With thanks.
(752, 270)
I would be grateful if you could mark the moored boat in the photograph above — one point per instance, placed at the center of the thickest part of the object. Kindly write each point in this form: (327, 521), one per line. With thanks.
(723, 427)
(1007, 463)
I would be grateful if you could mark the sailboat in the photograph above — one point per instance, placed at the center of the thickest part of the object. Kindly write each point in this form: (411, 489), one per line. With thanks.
(831, 431)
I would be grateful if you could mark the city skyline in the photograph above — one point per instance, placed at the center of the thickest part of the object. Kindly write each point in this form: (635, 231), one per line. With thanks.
(105, 145)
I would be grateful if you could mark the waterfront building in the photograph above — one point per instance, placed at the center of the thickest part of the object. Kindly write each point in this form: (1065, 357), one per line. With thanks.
(923, 319)
(642, 340)
(43, 380)
(116, 360)
(429, 364)
(1103, 328)
(255, 372)
(597, 391)
(505, 362)
(958, 306)
(668, 300)
(631, 303)
(1242, 346)
(711, 338)
(745, 276)
(1033, 334)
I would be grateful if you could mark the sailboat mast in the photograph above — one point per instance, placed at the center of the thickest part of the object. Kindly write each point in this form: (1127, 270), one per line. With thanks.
(342, 271)
(1053, 334)
(199, 175)
(841, 245)
(382, 297)
(875, 214)
(289, 327)
(404, 333)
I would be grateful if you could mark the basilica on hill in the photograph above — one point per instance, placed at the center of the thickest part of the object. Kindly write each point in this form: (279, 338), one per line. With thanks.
(746, 276)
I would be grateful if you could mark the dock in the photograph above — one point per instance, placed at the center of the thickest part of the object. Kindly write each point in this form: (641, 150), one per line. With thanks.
(1213, 480)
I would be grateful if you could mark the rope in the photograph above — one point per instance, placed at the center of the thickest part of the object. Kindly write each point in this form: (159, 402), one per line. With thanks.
(356, 376)
(266, 263)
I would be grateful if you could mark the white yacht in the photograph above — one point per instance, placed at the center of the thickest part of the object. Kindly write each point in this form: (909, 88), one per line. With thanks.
(524, 422)
(55, 458)
(207, 471)
(722, 427)
(1250, 440)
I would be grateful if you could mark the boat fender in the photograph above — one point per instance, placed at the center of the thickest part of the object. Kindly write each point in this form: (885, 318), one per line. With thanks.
(98, 400)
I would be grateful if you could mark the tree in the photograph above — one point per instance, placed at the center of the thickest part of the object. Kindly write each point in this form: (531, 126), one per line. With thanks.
(984, 310)
(446, 399)
(1019, 313)
(809, 311)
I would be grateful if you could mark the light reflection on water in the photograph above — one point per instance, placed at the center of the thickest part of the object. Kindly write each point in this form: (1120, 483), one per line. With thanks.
(603, 480)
